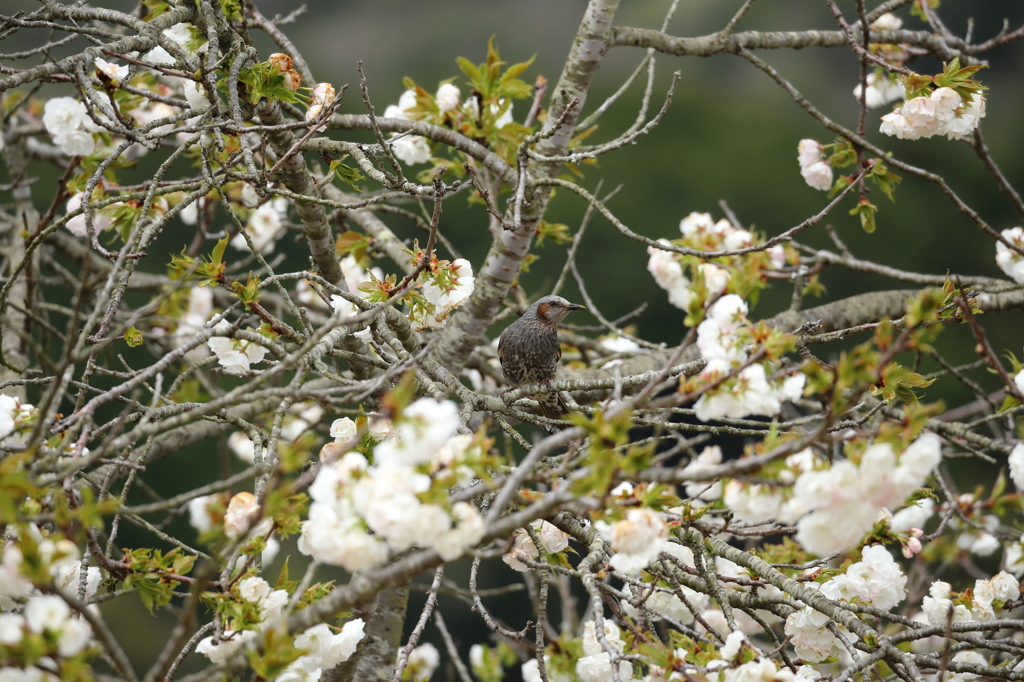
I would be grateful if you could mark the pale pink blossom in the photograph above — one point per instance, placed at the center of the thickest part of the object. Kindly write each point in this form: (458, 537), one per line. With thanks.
(668, 273)
(637, 540)
(242, 511)
(810, 635)
(818, 175)
(697, 224)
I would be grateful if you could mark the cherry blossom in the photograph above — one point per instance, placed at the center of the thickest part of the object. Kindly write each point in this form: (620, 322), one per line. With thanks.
(881, 90)
(1008, 260)
(448, 97)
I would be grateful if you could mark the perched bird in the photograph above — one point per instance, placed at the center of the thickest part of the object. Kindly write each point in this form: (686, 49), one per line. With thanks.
(528, 349)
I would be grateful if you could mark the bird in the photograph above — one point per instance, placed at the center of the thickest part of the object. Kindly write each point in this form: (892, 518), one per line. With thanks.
(528, 349)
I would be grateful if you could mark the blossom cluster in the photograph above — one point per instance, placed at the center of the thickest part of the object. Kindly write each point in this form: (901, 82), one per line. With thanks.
(415, 149)
(939, 605)
(943, 112)
(596, 664)
(323, 648)
(265, 223)
(814, 167)
(322, 95)
(35, 627)
(752, 392)
(72, 125)
(760, 669)
(284, 66)
(551, 538)
(269, 605)
(700, 231)
(360, 511)
(60, 558)
(443, 288)
(440, 288)
(45, 617)
(876, 580)
(661, 604)
(636, 540)
(834, 506)
(845, 499)
(14, 415)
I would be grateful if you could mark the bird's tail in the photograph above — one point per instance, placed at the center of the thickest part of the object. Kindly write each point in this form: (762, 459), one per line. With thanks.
(552, 406)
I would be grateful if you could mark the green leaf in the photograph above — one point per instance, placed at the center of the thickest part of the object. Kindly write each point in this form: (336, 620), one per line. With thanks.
(841, 183)
(1008, 402)
(133, 337)
(559, 233)
(156, 8)
(153, 592)
(516, 69)
(250, 291)
(884, 178)
(263, 80)
(999, 487)
(844, 154)
(469, 68)
(282, 576)
(217, 256)
(232, 9)
(866, 211)
(347, 174)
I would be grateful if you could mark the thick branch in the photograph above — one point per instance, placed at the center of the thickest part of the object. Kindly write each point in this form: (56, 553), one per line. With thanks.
(296, 177)
(848, 312)
(718, 43)
(466, 327)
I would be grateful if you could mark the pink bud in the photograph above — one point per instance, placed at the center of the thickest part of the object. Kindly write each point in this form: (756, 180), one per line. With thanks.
(912, 547)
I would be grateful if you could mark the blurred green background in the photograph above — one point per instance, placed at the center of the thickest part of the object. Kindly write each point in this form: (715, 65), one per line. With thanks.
(730, 134)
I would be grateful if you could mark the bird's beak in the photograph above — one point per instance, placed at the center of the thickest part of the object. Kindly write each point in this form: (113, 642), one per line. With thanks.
(574, 306)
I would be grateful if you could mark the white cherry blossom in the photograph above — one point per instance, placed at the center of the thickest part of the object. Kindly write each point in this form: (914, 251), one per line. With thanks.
(111, 70)
(61, 115)
(448, 97)
(1008, 260)
(881, 90)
